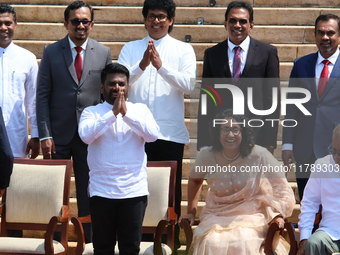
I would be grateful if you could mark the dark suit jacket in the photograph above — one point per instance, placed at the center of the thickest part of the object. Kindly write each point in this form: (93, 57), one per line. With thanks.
(262, 62)
(6, 156)
(60, 97)
(313, 133)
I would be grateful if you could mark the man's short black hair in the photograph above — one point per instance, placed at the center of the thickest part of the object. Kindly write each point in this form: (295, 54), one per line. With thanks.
(76, 5)
(166, 5)
(326, 17)
(6, 8)
(240, 4)
(114, 68)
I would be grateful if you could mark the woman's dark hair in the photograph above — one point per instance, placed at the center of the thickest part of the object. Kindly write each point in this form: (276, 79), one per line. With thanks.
(248, 138)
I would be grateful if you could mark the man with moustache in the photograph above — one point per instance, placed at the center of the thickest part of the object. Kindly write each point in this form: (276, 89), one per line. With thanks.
(68, 82)
(246, 63)
(318, 73)
(18, 76)
(115, 130)
(162, 70)
(323, 187)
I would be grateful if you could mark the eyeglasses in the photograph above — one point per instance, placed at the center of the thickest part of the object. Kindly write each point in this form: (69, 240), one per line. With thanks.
(333, 151)
(234, 130)
(161, 18)
(76, 22)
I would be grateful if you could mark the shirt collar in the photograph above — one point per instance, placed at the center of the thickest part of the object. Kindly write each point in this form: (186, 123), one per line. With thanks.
(72, 45)
(110, 106)
(332, 58)
(7, 48)
(244, 45)
(157, 42)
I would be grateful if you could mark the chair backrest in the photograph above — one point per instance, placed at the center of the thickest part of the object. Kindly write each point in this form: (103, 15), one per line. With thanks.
(38, 190)
(161, 185)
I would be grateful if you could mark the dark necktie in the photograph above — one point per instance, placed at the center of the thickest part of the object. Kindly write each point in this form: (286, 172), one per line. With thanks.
(78, 63)
(323, 78)
(237, 63)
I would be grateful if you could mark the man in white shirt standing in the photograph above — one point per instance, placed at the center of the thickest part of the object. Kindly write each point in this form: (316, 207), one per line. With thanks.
(323, 188)
(162, 70)
(116, 132)
(18, 75)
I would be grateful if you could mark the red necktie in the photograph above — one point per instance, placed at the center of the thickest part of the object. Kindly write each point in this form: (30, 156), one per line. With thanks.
(323, 78)
(237, 63)
(78, 62)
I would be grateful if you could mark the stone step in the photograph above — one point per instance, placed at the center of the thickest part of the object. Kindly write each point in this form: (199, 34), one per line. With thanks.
(184, 15)
(286, 52)
(121, 2)
(199, 33)
(202, 3)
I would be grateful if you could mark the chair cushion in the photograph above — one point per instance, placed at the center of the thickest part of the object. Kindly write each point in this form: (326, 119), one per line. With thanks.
(158, 185)
(35, 193)
(146, 248)
(27, 245)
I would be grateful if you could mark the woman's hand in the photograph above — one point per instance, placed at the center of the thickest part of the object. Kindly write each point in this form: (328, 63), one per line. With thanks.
(279, 220)
(190, 217)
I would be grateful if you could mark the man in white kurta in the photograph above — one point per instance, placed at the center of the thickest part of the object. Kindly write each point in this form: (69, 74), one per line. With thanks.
(323, 188)
(116, 132)
(162, 70)
(18, 74)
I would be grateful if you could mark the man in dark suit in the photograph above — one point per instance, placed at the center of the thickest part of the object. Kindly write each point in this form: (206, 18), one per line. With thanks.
(68, 82)
(259, 61)
(6, 157)
(318, 73)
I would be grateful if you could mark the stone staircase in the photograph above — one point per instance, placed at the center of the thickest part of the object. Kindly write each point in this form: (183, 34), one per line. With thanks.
(287, 24)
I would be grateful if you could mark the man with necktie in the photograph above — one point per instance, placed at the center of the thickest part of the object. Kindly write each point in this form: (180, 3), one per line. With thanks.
(246, 63)
(318, 73)
(68, 82)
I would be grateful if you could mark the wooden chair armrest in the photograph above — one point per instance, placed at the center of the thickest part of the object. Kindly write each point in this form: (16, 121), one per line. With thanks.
(65, 214)
(1, 206)
(49, 249)
(78, 228)
(172, 216)
(157, 247)
(270, 236)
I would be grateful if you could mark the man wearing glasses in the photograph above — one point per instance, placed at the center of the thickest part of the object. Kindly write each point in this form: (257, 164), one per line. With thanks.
(323, 188)
(68, 82)
(162, 70)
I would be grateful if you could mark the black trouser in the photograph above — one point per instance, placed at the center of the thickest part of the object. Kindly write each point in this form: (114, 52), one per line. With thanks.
(165, 150)
(302, 174)
(77, 149)
(123, 217)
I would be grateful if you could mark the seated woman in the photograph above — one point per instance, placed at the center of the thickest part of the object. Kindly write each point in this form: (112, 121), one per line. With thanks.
(244, 197)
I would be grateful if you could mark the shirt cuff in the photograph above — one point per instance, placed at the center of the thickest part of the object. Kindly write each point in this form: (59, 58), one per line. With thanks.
(287, 147)
(45, 138)
(136, 70)
(305, 233)
(129, 117)
(109, 117)
(164, 70)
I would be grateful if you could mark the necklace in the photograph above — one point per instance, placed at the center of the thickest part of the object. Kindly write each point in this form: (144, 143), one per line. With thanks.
(231, 159)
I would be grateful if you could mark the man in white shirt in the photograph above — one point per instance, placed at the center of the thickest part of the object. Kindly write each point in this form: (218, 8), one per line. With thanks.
(18, 75)
(318, 73)
(116, 132)
(323, 188)
(162, 70)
